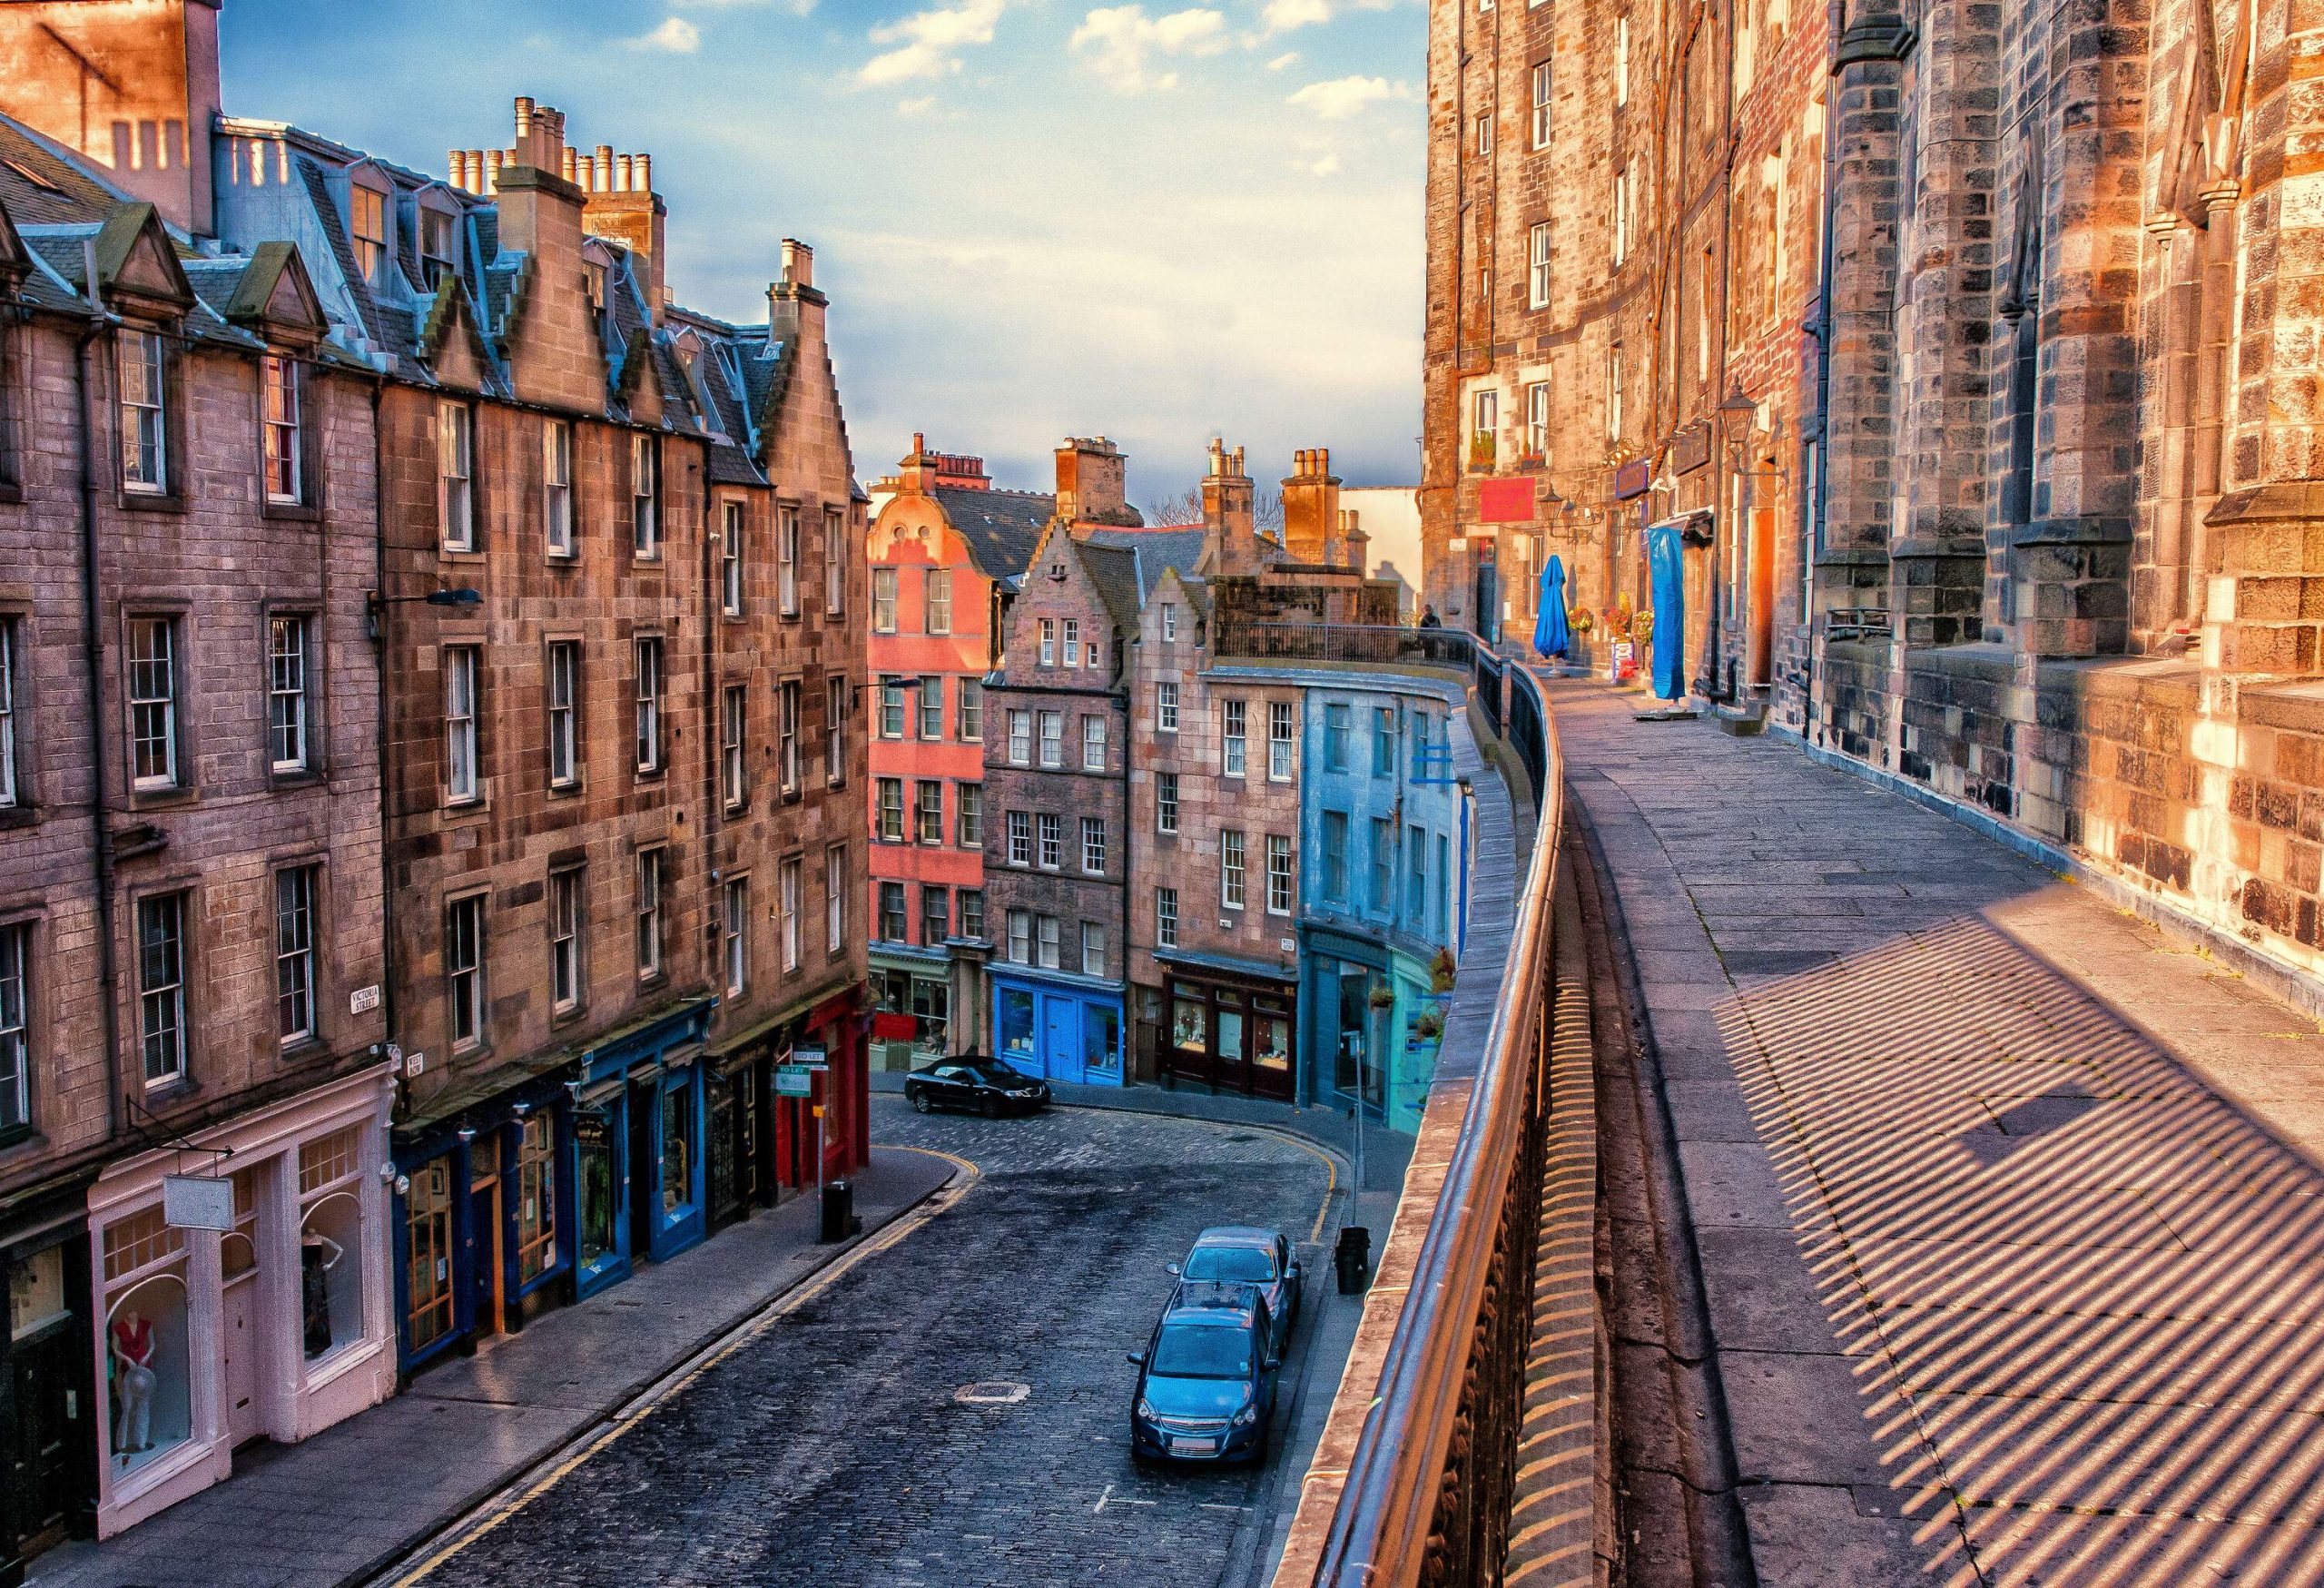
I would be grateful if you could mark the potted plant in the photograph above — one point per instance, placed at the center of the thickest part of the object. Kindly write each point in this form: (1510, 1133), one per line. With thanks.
(1383, 996)
(1430, 1025)
(1441, 970)
(1481, 451)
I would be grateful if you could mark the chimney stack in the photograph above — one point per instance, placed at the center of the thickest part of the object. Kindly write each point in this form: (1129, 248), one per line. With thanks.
(1091, 486)
(1310, 503)
(1226, 516)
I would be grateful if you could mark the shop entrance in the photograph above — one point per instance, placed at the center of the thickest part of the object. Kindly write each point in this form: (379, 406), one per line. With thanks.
(1232, 1038)
(50, 1430)
(242, 1321)
(484, 1234)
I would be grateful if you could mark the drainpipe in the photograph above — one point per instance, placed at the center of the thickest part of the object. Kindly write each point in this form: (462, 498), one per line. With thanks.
(379, 721)
(1820, 327)
(93, 654)
(1129, 835)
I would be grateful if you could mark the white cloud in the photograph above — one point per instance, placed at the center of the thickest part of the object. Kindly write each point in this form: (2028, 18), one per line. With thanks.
(1343, 97)
(1118, 40)
(929, 44)
(1283, 16)
(1327, 166)
(922, 106)
(676, 35)
(1288, 58)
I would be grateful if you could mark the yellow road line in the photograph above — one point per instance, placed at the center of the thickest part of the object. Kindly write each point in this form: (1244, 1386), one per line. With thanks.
(503, 1506)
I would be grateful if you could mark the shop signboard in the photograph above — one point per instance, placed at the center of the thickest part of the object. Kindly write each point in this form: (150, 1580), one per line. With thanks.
(794, 1080)
(198, 1202)
(815, 1057)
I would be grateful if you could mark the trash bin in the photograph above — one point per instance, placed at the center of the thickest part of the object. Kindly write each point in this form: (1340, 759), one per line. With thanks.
(1354, 1259)
(839, 1212)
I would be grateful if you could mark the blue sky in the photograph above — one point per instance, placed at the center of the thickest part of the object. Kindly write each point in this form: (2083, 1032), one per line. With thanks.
(1034, 217)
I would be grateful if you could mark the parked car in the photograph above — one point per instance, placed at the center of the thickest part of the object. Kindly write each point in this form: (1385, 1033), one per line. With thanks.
(1243, 1254)
(972, 1081)
(1206, 1379)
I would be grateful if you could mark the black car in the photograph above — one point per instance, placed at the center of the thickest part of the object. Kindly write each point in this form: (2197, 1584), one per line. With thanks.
(972, 1081)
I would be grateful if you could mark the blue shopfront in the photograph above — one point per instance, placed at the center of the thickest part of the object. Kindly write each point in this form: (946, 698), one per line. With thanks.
(1063, 1028)
(549, 1187)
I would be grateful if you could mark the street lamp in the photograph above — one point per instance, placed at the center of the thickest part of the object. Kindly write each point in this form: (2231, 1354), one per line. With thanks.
(373, 601)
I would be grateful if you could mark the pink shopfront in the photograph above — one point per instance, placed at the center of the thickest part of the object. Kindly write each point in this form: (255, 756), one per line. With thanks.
(275, 1329)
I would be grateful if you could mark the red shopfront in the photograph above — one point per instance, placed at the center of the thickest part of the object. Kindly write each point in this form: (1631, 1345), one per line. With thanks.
(843, 1090)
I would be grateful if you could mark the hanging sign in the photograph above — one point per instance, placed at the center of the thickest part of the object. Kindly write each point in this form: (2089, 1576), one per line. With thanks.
(794, 1080)
(198, 1202)
(812, 1058)
(1632, 478)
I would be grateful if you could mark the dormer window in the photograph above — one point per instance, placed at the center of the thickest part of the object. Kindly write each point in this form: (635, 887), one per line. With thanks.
(367, 227)
(283, 439)
(144, 416)
(596, 279)
(438, 255)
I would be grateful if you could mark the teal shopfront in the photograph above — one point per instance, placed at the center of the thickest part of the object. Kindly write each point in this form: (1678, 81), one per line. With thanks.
(639, 1134)
(1061, 1029)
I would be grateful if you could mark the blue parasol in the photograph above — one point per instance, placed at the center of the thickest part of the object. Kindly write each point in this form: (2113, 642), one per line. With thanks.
(1550, 635)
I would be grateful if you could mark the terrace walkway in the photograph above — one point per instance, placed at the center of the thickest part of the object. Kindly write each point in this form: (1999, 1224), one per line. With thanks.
(2009, 1210)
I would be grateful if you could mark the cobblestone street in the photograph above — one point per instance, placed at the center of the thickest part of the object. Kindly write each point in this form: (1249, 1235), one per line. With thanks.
(834, 1449)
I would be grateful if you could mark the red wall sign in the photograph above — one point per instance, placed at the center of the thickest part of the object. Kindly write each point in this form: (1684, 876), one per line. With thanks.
(1505, 501)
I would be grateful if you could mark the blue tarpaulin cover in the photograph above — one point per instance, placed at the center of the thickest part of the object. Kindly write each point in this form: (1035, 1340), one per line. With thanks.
(1550, 634)
(1668, 579)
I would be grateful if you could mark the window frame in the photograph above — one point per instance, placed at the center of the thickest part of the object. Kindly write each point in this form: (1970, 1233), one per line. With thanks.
(648, 668)
(735, 935)
(1093, 740)
(1166, 707)
(836, 548)
(13, 780)
(148, 421)
(300, 697)
(790, 887)
(882, 829)
(968, 815)
(734, 725)
(282, 430)
(463, 670)
(835, 891)
(455, 476)
(138, 697)
(929, 729)
(936, 601)
(1048, 841)
(164, 997)
(884, 600)
(557, 489)
(1165, 918)
(927, 815)
(731, 534)
(1233, 874)
(839, 700)
(561, 693)
(648, 880)
(1093, 846)
(1234, 738)
(1165, 803)
(786, 560)
(968, 711)
(1282, 741)
(1280, 894)
(567, 916)
(787, 762)
(17, 999)
(644, 495)
(301, 957)
(471, 905)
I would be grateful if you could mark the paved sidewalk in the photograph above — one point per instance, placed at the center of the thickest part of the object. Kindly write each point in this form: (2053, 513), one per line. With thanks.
(1386, 1153)
(2009, 1213)
(340, 1505)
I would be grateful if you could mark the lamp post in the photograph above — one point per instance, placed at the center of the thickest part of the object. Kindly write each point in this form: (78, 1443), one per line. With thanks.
(1736, 415)
(373, 601)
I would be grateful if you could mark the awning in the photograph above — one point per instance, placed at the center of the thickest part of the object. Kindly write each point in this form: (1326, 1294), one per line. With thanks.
(1231, 965)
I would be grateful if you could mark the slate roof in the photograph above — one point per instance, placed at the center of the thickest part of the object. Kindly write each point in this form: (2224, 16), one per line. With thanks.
(42, 184)
(1002, 527)
(1155, 551)
(1114, 570)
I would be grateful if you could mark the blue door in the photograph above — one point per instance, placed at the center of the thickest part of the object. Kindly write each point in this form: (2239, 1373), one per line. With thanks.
(1062, 1038)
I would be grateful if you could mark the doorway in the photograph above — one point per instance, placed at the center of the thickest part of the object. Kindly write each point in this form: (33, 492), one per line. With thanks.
(242, 1313)
(484, 1235)
(50, 1441)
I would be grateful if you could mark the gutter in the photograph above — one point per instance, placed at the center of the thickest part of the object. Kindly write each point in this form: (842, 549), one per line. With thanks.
(92, 656)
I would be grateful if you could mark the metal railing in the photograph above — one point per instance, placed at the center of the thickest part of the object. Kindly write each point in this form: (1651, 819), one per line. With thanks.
(1432, 1474)
(1382, 644)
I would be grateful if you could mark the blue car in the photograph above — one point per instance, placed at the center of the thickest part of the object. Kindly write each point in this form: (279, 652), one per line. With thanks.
(1244, 1254)
(1206, 1380)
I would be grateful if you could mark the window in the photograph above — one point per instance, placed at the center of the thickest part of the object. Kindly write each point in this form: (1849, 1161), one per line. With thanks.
(787, 561)
(1052, 831)
(144, 414)
(1537, 420)
(15, 1026)
(969, 818)
(1280, 740)
(11, 791)
(786, 728)
(1045, 936)
(1169, 622)
(972, 913)
(836, 730)
(1336, 857)
(932, 709)
(1020, 937)
(557, 487)
(884, 600)
(1541, 103)
(940, 601)
(1093, 845)
(1484, 423)
(1072, 642)
(648, 922)
(835, 899)
(1621, 214)
(928, 813)
(1415, 876)
(734, 934)
(161, 986)
(1278, 874)
(891, 708)
(154, 701)
(366, 227)
(1093, 743)
(1537, 266)
(891, 828)
(649, 706)
(935, 916)
(732, 710)
(1165, 918)
(1484, 135)
(1165, 802)
(563, 713)
(1020, 838)
(564, 940)
(645, 494)
(1230, 869)
(1020, 738)
(1621, 61)
(294, 952)
(1049, 642)
(455, 489)
(437, 248)
(1232, 746)
(1436, 901)
(464, 970)
(285, 465)
(835, 561)
(1052, 738)
(1383, 862)
(891, 912)
(286, 697)
(535, 1199)
(730, 562)
(786, 895)
(1335, 738)
(463, 779)
(1614, 392)
(1166, 708)
(1384, 741)
(971, 724)
(1093, 949)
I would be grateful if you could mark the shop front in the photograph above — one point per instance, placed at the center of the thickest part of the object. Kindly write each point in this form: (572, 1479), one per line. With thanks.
(641, 1183)
(911, 1002)
(763, 1143)
(277, 1327)
(48, 1487)
(1351, 1020)
(1063, 1028)
(1230, 1023)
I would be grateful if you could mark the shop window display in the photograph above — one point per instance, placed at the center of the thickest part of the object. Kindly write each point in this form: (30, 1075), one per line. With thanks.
(330, 1242)
(148, 1376)
(536, 1199)
(600, 1235)
(1017, 1031)
(1101, 1040)
(677, 1147)
(429, 1266)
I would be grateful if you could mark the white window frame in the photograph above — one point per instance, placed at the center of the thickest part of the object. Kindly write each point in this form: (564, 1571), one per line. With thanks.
(969, 709)
(835, 562)
(464, 966)
(463, 703)
(1165, 707)
(929, 727)
(1052, 737)
(1093, 741)
(15, 1025)
(285, 465)
(1233, 873)
(647, 656)
(1047, 940)
(1021, 837)
(1621, 61)
(786, 560)
(787, 730)
(456, 476)
(730, 559)
(645, 497)
(735, 935)
(162, 975)
(1093, 950)
(888, 819)
(11, 791)
(286, 672)
(1020, 738)
(938, 601)
(968, 815)
(557, 487)
(1165, 918)
(1093, 846)
(1020, 937)
(884, 600)
(1235, 744)
(142, 364)
(1049, 642)
(1537, 418)
(1282, 741)
(1537, 266)
(295, 989)
(1545, 82)
(927, 817)
(565, 909)
(835, 890)
(1048, 850)
(1279, 893)
(563, 713)
(154, 692)
(370, 251)
(1073, 642)
(1169, 622)
(734, 717)
(837, 698)
(1484, 135)
(787, 885)
(646, 924)
(1165, 802)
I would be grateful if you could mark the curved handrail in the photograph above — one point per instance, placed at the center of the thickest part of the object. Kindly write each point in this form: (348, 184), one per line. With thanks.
(1380, 1528)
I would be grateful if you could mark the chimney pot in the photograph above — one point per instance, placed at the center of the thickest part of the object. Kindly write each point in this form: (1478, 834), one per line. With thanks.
(798, 264)
(572, 162)
(493, 160)
(645, 172)
(524, 115)
(624, 167)
(456, 168)
(1323, 459)
(919, 442)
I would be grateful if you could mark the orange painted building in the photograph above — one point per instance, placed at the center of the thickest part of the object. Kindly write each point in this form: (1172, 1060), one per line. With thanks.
(946, 552)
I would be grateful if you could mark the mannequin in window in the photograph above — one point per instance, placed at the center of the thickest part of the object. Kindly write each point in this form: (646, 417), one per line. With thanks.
(132, 1381)
(318, 1256)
